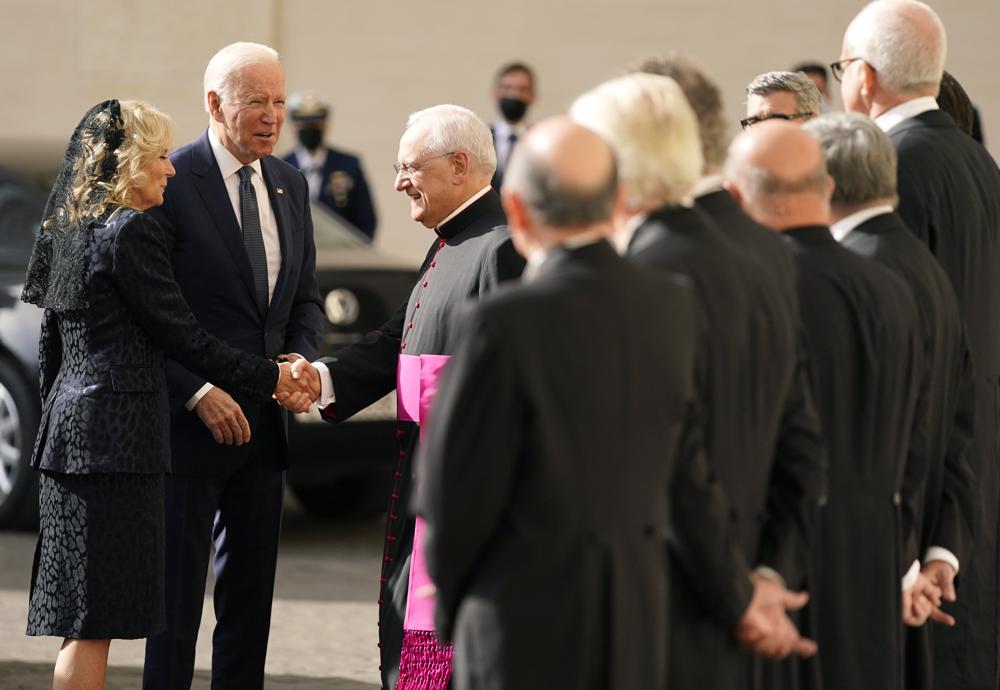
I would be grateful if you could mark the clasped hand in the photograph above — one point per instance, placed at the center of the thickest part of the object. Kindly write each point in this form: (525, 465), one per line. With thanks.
(299, 384)
(766, 629)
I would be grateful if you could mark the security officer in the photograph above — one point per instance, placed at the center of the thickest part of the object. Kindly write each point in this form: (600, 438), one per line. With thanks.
(335, 178)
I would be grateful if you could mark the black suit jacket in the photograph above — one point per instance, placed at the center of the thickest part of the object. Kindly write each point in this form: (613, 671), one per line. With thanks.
(867, 368)
(763, 436)
(545, 480)
(211, 266)
(949, 196)
(102, 383)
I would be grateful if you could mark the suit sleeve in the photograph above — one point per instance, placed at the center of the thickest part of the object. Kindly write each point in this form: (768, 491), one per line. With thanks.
(144, 277)
(365, 371)
(797, 485)
(958, 515)
(49, 352)
(701, 535)
(305, 321)
(479, 413)
(181, 382)
(364, 209)
(918, 460)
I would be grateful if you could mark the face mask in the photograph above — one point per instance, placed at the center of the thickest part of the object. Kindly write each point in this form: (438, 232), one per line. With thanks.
(513, 109)
(310, 137)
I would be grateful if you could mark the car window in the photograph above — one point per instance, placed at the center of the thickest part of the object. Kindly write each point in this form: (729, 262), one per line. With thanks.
(21, 207)
(332, 232)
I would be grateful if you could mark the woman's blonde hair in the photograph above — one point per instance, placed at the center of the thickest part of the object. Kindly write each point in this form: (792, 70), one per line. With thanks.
(146, 133)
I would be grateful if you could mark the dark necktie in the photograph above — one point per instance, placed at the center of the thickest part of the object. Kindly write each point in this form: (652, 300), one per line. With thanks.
(253, 239)
(511, 140)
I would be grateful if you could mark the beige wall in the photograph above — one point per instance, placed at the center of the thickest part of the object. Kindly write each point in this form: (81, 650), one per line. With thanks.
(378, 60)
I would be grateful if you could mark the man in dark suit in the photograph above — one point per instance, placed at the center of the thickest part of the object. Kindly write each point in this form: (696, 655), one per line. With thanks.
(548, 559)
(867, 368)
(514, 92)
(862, 161)
(890, 67)
(244, 258)
(335, 177)
(763, 436)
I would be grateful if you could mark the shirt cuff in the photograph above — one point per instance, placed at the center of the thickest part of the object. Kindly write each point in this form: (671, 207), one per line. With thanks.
(939, 553)
(770, 574)
(326, 394)
(189, 405)
(911, 576)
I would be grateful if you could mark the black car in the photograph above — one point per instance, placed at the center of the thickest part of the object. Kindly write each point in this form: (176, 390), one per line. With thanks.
(335, 470)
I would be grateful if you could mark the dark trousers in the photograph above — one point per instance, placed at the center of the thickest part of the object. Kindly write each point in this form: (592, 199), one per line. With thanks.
(241, 514)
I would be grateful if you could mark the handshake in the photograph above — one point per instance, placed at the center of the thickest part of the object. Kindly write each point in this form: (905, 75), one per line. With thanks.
(298, 385)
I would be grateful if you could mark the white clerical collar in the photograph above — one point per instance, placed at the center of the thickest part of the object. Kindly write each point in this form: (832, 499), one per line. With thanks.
(904, 111)
(843, 227)
(468, 202)
(228, 163)
(538, 257)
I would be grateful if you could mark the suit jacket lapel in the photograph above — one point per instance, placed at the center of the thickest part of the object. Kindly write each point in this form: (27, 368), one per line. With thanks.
(278, 195)
(216, 197)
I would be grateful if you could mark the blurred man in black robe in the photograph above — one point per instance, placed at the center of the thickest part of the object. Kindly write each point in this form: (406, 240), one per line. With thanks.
(890, 67)
(866, 356)
(555, 459)
(862, 161)
(762, 435)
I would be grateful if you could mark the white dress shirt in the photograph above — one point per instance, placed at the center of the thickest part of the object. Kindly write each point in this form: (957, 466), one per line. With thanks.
(501, 140)
(311, 166)
(904, 111)
(843, 227)
(229, 167)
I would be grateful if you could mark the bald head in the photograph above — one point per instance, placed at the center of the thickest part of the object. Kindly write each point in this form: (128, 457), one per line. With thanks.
(564, 175)
(777, 172)
(904, 43)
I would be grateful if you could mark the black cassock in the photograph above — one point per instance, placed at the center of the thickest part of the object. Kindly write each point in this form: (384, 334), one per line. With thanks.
(471, 256)
(560, 441)
(867, 368)
(762, 435)
(947, 514)
(949, 196)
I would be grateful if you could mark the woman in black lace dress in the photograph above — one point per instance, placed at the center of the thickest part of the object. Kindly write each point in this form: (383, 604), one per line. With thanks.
(101, 270)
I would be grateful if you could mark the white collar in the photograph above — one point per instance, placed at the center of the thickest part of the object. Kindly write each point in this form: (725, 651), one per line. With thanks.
(502, 127)
(468, 202)
(228, 163)
(846, 225)
(307, 158)
(623, 237)
(904, 111)
(538, 257)
(707, 185)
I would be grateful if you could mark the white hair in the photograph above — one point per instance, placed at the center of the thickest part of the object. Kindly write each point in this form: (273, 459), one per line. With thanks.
(454, 128)
(887, 36)
(650, 126)
(807, 97)
(228, 62)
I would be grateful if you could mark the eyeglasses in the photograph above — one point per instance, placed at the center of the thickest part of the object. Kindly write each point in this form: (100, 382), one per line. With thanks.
(838, 68)
(409, 169)
(751, 121)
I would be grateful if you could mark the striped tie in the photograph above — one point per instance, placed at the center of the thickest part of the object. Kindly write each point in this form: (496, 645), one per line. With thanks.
(253, 240)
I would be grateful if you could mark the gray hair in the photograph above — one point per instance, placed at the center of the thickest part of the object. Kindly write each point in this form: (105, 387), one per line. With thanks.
(228, 62)
(454, 128)
(705, 98)
(554, 203)
(653, 132)
(807, 97)
(905, 59)
(860, 157)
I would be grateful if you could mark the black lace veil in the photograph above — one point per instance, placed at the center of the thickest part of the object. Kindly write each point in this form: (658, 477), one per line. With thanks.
(79, 199)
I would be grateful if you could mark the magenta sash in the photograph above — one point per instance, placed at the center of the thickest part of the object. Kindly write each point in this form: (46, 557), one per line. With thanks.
(416, 385)
(424, 662)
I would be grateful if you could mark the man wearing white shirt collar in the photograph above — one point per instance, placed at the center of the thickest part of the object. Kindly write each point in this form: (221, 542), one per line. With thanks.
(891, 66)
(514, 91)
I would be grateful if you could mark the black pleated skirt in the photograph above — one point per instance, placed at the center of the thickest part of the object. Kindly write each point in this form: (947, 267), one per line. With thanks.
(99, 563)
